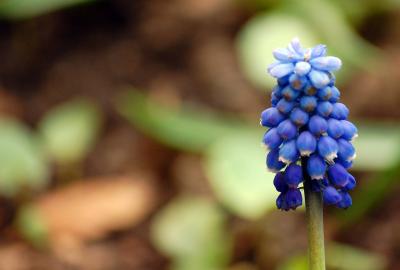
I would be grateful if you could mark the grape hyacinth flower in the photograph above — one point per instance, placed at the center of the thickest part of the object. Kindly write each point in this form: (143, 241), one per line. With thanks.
(309, 135)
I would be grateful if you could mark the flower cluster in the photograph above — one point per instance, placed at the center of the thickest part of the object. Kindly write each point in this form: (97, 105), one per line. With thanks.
(306, 122)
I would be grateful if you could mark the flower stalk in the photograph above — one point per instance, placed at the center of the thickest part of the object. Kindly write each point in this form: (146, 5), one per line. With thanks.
(315, 223)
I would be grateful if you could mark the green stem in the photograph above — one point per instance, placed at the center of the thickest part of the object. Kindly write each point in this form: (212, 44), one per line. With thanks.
(315, 223)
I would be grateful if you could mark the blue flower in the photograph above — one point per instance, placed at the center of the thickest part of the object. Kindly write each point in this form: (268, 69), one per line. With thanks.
(346, 150)
(293, 175)
(319, 79)
(349, 130)
(288, 153)
(317, 125)
(306, 143)
(327, 63)
(293, 198)
(335, 128)
(327, 148)
(280, 182)
(340, 111)
(338, 175)
(316, 167)
(272, 139)
(308, 103)
(325, 93)
(324, 108)
(273, 163)
(287, 130)
(345, 201)
(299, 117)
(331, 195)
(302, 68)
(271, 117)
(289, 94)
(306, 122)
(284, 106)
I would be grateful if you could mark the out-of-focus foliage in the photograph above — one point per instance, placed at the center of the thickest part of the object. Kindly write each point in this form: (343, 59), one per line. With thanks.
(340, 257)
(31, 225)
(233, 167)
(371, 194)
(70, 130)
(21, 9)
(270, 29)
(378, 146)
(23, 164)
(264, 33)
(185, 129)
(192, 232)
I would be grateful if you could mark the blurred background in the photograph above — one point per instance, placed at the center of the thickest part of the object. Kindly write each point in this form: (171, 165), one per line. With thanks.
(129, 134)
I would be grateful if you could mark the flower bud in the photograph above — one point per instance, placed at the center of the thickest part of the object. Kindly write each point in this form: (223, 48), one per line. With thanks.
(327, 148)
(338, 175)
(297, 82)
(319, 185)
(317, 51)
(288, 152)
(302, 68)
(310, 90)
(280, 70)
(327, 63)
(335, 128)
(272, 139)
(289, 94)
(282, 54)
(331, 195)
(349, 130)
(335, 94)
(324, 108)
(271, 117)
(346, 150)
(281, 202)
(317, 125)
(325, 93)
(293, 198)
(345, 201)
(273, 163)
(319, 79)
(306, 143)
(344, 163)
(308, 103)
(293, 175)
(285, 106)
(280, 183)
(316, 167)
(351, 184)
(295, 46)
(299, 117)
(287, 130)
(340, 111)
(283, 81)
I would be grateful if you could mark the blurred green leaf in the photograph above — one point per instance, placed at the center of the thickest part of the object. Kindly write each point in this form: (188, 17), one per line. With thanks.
(20, 9)
(340, 257)
(22, 162)
(264, 33)
(378, 146)
(186, 129)
(370, 195)
(236, 169)
(70, 130)
(329, 23)
(192, 232)
(30, 224)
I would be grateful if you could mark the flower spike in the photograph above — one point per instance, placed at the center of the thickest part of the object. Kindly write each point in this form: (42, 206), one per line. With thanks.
(307, 122)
